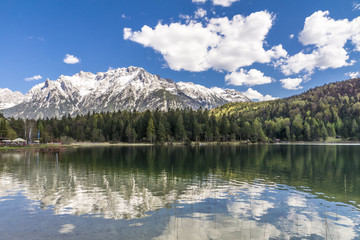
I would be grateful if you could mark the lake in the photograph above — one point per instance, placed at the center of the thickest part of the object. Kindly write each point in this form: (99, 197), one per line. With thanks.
(178, 192)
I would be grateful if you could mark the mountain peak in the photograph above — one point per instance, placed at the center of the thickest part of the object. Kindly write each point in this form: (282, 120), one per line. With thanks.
(113, 90)
(85, 74)
(9, 98)
(47, 82)
(134, 68)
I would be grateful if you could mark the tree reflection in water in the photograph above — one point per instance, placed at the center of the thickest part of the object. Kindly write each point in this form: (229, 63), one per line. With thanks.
(259, 191)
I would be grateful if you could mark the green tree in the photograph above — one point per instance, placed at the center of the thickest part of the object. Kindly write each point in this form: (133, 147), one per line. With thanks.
(3, 128)
(208, 135)
(323, 131)
(196, 130)
(150, 131)
(234, 130)
(307, 131)
(161, 131)
(130, 133)
(224, 128)
(180, 133)
(297, 127)
(331, 129)
(257, 132)
(97, 135)
(354, 128)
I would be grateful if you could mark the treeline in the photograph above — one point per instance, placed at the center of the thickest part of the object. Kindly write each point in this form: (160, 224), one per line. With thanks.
(329, 111)
(131, 126)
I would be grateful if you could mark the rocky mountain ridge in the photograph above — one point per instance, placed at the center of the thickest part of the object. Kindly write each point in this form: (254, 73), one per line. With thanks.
(117, 89)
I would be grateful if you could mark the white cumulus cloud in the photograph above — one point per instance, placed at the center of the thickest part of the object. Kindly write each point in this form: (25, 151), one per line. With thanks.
(327, 38)
(223, 3)
(34, 78)
(183, 46)
(220, 44)
(291, 83)
(250, 78)
(71, 59)
(353, 74)
(200, 13)
(186, 17)
(255, 95)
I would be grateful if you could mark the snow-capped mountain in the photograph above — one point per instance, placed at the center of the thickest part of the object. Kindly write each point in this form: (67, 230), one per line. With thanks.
(9, 98)
(117, 89)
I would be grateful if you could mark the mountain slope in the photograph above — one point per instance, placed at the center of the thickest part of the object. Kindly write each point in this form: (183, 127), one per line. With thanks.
(314, 101)
(9, 98)
(117, 89)
(330, 110)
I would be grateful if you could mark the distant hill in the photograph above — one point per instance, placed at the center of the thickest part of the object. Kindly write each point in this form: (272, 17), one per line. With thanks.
(330, 110)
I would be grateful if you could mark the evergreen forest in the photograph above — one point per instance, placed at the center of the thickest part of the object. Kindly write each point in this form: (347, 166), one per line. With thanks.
(330, 111)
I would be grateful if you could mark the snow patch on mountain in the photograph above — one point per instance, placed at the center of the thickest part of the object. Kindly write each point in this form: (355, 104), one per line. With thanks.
(9, 98)
(117, 89)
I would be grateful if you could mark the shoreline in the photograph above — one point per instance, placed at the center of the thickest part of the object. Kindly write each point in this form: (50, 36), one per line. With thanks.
(50, 147)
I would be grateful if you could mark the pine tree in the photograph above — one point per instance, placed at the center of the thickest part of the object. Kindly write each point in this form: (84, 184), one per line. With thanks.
(224, 128)
(130, 134)
(234, 130)
(161, 132)
(150, 131)
(180, 133)
(207, 132)
(3, 128)
(196, 130)
(216, 134)
(246, 129)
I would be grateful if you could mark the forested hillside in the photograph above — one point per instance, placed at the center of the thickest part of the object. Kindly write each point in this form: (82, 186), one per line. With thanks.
(332, 110)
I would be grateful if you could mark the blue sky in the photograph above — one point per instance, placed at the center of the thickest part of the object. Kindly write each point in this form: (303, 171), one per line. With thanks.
(265, 48)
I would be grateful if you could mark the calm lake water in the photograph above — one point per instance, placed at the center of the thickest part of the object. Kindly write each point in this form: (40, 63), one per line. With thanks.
(212, 192)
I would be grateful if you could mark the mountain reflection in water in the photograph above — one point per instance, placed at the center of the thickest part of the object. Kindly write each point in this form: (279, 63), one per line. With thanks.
(259, 192)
